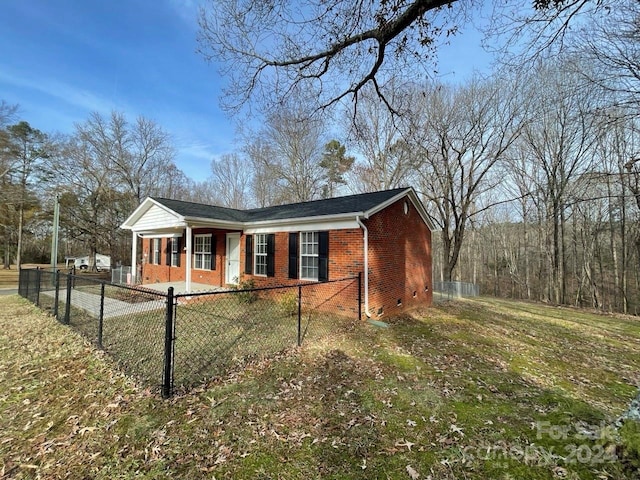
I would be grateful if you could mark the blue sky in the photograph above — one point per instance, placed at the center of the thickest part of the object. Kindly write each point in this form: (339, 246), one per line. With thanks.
(60, 60)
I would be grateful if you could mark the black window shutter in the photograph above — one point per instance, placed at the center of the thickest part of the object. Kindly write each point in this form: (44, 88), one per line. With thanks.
(167, 252)
(323, 256)
(179, 247)
(271, 255)
(293, 255)
(213, 252)
(248, 255)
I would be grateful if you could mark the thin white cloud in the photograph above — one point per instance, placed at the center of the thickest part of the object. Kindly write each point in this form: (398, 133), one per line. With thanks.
(196, 150)
(72, 95)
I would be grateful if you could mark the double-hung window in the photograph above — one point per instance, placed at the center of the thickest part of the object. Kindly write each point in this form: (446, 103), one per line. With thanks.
(155, 251)
(260, 252)
(174, 252)
(309, 255)
(202, 252)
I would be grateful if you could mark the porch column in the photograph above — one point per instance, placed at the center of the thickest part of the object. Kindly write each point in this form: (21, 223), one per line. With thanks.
(187, 276)
(134, 257)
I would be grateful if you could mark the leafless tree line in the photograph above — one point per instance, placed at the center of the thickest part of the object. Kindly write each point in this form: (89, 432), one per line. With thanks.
(530, 175)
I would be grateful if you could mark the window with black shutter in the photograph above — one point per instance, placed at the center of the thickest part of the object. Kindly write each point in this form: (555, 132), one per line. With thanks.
(271, 255)
(175, 252)
(293, 255)
(213, 252)
(323, 256)
(248, 255)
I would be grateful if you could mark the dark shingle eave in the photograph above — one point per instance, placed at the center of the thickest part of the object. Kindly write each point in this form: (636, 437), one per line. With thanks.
(337, 206)
(192, 210)
(345, 206)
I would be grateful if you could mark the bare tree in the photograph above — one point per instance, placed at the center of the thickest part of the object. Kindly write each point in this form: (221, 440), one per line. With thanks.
(610, 45)
(289, 154)
(378, 136)
(138, 155)
(332, 50)
(525, 34)
(92, 206)
(265, 185)
(231, 180)
(558, 137)
(460, 135)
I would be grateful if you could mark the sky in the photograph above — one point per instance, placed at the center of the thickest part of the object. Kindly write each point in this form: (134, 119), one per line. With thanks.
(61, 60)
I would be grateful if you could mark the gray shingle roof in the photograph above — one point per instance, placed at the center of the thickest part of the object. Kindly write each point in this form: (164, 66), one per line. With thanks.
(200, 210)
(332, 206)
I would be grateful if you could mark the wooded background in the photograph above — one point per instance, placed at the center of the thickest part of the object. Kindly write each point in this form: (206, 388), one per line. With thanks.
(531, 173)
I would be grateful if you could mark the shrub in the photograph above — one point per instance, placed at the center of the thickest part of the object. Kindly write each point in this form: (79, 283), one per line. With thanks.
(246, 296)
(630, 448)
(289, 303)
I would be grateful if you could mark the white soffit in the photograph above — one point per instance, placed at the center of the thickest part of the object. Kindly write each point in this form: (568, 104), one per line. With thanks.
(318, 225)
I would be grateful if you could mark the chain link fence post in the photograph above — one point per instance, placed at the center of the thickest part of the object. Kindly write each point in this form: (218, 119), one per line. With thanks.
(67, 306)
(27, 282)
(101, 316)
(167, 376)
(299, 315)
(38, 286)
(56, 297)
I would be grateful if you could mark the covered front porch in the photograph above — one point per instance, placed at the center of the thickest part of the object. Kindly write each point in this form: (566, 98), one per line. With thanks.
(189, 246)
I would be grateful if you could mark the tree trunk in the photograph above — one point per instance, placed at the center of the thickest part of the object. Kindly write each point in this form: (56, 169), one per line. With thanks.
(20, 225)
(7, 249)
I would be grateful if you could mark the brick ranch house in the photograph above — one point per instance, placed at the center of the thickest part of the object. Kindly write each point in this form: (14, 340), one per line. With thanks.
(385, 236)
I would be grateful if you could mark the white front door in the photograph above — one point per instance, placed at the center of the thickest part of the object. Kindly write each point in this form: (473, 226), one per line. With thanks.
(233, 258)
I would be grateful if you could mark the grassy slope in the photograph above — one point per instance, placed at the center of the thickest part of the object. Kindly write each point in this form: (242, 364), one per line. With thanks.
(481, 389)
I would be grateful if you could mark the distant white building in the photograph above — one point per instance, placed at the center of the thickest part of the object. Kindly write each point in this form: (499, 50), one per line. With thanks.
(103, 262)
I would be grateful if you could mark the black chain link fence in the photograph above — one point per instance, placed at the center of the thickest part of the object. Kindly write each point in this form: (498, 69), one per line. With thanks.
(181, 340)
(127, 323)
(219, 332)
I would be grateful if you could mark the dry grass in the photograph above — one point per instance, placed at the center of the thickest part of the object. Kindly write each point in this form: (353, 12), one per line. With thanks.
(9, 278)
(483, 389)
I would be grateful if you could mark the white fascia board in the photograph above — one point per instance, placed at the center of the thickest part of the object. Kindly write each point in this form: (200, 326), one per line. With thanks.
(147, 203)
(307, 224)
(383, 205)
(409, 192)
(137, 213)
(159, 234)
(196, 222)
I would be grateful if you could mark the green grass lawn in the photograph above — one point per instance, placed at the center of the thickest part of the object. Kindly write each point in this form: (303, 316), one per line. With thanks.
(478, 389)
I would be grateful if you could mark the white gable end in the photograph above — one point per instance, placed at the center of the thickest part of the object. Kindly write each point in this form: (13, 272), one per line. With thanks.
(156, 218)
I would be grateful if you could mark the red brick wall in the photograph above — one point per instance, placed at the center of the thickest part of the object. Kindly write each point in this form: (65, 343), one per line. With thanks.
(345, 258)
(399, 260)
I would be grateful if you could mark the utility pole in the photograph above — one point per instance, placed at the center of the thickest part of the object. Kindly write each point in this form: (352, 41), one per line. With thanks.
(54, 236)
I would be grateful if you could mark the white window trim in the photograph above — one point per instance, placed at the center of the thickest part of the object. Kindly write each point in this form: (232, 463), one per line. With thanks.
(195, 253)
(173, 245)
(155, 251)
(256, 254)
(316, 255)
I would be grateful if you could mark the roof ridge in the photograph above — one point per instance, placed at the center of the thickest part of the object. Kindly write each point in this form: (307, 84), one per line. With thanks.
(306, 202)
(195, 203)
(341, 197)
